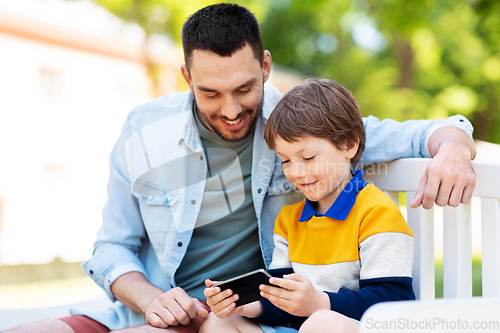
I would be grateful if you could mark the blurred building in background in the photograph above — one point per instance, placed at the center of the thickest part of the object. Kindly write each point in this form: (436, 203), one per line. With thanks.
(69, 73)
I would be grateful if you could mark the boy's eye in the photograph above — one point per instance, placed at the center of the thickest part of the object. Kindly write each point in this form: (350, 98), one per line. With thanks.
(284, 162)
(309, 158)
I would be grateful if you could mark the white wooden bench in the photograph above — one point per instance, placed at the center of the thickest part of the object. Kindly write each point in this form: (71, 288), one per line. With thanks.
(458, 310)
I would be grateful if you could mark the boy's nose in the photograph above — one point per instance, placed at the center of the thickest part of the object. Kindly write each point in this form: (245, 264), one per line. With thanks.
(298, 170)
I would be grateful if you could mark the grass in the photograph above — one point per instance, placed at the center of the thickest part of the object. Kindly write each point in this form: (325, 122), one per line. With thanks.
(47, 293)
(476, 278)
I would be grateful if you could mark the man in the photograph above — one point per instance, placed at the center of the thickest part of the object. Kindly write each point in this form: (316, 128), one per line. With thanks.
(194, 190)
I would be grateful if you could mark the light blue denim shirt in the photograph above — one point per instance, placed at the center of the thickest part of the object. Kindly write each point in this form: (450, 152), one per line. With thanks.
(157, 180)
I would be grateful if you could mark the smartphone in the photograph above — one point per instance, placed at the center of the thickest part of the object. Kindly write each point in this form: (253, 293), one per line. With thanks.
(246, 286)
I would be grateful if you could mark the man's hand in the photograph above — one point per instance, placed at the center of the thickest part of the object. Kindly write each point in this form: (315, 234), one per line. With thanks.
(449, 179)
(173, 308)
(223, 303)
(296, 296)
(161, 309)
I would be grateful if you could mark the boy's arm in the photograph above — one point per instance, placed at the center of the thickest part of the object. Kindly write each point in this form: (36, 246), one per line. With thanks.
(353, 303)
(386, 256)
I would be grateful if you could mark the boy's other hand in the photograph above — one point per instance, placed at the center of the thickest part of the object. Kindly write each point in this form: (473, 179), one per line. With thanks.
(296, 296)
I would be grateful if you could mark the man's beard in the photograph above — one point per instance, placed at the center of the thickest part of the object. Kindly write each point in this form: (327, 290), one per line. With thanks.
(247, 130)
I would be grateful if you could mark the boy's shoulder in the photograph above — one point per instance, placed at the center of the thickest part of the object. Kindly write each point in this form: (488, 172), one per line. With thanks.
(377, 213)
(294, 210)
(372, 195)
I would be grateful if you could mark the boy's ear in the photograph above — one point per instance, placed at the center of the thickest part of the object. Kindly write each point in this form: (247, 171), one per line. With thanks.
(351, 149)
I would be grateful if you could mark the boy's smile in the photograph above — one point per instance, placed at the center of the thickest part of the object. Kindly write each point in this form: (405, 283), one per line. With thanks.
(316, 167)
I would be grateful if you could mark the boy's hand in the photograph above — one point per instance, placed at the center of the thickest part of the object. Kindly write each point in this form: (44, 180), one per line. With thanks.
(296, 296)
(222, 303)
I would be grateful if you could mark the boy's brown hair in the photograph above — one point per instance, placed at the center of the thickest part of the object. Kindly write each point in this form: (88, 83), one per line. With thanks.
(319, 108)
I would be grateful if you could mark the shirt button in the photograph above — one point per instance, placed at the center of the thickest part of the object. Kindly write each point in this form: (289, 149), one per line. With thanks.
(286, 186)
(91, 272)
(179, 244)
(259, 190)
(201, 158)
(193, 201)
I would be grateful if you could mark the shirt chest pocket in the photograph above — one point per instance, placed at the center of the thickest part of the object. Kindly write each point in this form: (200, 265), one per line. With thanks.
(279, 183)
(157, 215)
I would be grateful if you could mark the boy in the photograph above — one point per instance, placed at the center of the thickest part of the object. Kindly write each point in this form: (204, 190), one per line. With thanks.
(344, 248)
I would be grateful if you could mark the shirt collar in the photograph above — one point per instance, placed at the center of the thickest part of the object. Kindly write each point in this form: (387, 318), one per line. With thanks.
(344, 202)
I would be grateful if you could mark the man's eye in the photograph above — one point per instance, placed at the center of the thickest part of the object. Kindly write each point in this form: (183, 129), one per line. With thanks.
(309, 158)
(244, 91)
(212, 96)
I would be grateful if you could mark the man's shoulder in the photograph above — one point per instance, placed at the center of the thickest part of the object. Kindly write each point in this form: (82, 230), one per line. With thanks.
(166, 105)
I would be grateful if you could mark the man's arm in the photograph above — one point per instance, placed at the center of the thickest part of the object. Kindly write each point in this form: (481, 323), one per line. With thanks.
(449, 179)
(115, 264)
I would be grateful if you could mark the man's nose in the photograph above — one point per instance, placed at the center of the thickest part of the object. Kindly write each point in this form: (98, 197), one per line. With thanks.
(231, 108)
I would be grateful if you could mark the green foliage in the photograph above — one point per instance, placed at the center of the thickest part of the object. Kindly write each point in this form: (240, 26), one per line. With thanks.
(401, 58)
(434, 59)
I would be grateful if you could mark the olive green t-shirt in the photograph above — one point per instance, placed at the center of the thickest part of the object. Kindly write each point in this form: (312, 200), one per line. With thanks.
(225, 241)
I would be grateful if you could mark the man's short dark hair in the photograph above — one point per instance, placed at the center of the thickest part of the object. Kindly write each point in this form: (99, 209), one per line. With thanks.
(319, 108)
(223, 29)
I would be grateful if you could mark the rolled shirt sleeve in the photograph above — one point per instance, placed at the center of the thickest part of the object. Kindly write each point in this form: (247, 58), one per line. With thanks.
(387, 139)
(120, 238)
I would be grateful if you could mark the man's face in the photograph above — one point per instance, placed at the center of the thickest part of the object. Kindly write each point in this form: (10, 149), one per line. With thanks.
(229, 91)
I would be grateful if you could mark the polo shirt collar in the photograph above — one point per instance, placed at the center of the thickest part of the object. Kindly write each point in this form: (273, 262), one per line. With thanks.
(344, 202)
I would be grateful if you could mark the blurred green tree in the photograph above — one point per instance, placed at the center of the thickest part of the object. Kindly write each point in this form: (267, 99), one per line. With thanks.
(400, 58)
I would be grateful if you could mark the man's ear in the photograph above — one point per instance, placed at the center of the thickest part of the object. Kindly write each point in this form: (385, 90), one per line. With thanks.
(266, 65)
(352, 149)
(187, 77)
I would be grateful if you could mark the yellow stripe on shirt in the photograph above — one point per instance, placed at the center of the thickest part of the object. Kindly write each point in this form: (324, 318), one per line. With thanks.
(323, 240)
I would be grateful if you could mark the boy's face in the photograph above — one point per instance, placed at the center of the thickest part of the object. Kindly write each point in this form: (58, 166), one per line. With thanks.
(229, 91)
(316, 167)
